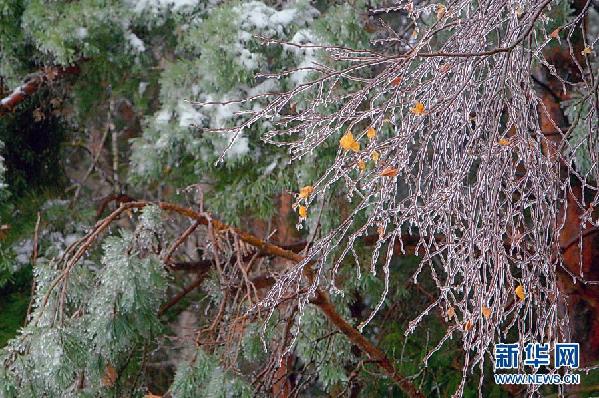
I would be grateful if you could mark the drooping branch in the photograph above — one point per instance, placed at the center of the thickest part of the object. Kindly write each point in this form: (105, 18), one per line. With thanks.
(32, 84)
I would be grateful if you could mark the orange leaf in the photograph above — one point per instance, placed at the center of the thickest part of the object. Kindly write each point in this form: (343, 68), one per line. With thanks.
(450, 312)
(469, 325)
(396, 82)
(418, 109)
(306, 191)
(555, 34)
(389, 172)
(303, 211)
(348, 142)
(361, 165)
(380, 230)
(150, 395)
(486, 311)
(503, 142)
(520, 292)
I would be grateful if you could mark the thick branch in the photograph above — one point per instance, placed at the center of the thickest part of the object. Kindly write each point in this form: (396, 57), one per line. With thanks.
(32, 84)
(321, 300)
(374, 353)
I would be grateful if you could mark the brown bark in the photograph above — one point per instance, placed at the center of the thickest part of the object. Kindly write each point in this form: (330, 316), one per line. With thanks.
(286, 234)
(322, 300)
(32, 84)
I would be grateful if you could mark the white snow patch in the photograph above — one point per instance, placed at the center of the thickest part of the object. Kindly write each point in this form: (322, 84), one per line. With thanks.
(267, 86)
(248, 59)
(221, 114)
(156, 6)
(255, 16)
(164, 116)
(188, 115)
(239, 148)
(284, 17)
(306, 57)
(135, 42)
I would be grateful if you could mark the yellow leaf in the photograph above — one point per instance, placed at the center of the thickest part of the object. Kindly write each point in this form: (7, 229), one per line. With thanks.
(348, 142)
(503, 142)
(375, 156)
(380, 230)
(587, 50)
(109, 377)
(450, 312)
(306, 191)
(441, 11)
(418, 109)
(303, 211)
(361, 165)
(486, 311)
(520, 292)
(389, 172)
(371, 133)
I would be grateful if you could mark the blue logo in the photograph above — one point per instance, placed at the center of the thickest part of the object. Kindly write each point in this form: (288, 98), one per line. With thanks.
(506, 356)
(536, 354)
(567, 354)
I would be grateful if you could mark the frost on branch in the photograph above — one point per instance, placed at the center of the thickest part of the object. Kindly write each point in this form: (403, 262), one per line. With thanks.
(441, 136)
(111, 306)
